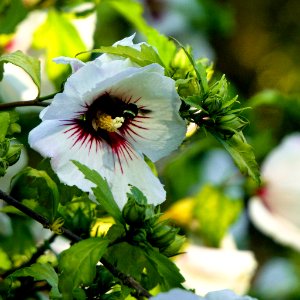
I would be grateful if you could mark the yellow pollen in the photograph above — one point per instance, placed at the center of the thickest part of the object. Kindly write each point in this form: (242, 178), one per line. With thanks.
(106, 122)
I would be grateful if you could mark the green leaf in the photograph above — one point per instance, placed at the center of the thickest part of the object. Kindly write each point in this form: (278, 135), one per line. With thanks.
(137, 264)
(242, 154)
(41, 272)
(60, 38)
(165, 47)
(37, 185)
(11, 15)
(215, 212)
(169, 274)
(146, 56)
(77, 266)
(29, 64)
(4, 124)
(102, 191)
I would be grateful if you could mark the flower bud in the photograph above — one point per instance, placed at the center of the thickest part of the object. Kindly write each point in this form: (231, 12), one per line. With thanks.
(162, 235)
(4, 145)
(212, 105)
(140, 236)
(133, 213)
(174, 247)
(228, 125)
(13, 154)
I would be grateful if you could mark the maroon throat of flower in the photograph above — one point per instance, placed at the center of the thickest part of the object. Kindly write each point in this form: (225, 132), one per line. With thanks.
(108, 119)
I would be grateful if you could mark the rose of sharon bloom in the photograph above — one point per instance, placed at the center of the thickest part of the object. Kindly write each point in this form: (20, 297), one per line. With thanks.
(110, 114)
(276, 209)
(208, 269)
(178, 294)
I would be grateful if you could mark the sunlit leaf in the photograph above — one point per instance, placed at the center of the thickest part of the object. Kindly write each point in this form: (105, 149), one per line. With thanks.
(41, 272)
(58, 36)
(84, 255)
(102, 191)
(29, 64)
(215, 213)
(147, 55)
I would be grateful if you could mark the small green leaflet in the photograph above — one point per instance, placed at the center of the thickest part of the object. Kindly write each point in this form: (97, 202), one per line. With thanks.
(102, 191)
(29, 64)
(77, 266)
(41, 272)
(242, 154)
(215, 213)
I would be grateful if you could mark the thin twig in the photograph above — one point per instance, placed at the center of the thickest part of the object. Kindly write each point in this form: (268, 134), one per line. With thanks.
(126, 279)
(35, 102)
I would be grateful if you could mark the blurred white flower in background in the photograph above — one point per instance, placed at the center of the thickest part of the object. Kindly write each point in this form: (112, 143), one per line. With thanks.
(276, 210)
(208, 269)
(178, 294)
(16, 85)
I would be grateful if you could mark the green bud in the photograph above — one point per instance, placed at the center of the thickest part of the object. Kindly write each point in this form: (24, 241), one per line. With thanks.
(230, 124)
(174, 247)
(162, 235)
(134, 213)
(140, 236)
(13, 154)
(212, 104)
(4, 145)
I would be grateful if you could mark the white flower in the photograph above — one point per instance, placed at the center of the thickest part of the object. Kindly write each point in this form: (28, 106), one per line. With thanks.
(178, 294)
(208, 269)
(110, 114)
(276, 210)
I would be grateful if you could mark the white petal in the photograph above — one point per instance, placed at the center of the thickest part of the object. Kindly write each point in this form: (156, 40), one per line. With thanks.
(75, 63)
(137, 173)
(128, 41)
(273, 225)
(50, 139)
(161, 131)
